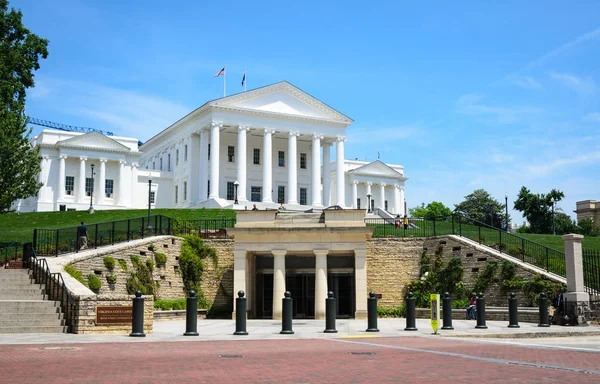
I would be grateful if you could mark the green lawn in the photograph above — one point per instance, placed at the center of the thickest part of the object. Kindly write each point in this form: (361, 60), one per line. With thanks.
(19, 228)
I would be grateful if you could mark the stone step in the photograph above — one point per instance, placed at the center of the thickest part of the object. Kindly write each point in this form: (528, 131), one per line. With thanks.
(39, 322)
(27, 306)
(28, 289)
(7, 272)
(17, 279)
(7, 318)
(23, 296)
(33, 329)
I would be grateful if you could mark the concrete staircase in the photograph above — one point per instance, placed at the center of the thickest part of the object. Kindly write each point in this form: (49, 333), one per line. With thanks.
(23, 305)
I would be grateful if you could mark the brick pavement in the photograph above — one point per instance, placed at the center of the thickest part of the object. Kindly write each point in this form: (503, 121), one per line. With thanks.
(291, 361)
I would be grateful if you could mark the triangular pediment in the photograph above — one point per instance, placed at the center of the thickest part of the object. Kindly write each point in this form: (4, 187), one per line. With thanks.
(93, 140)
(282, 98)
(377, 168)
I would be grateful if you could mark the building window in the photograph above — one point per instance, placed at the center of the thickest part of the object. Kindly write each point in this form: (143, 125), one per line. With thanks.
(208, 189)
(69, 184)
(161, 163)
(88, 186)
(154, 165)
(256, 156)
(373, 205)
(280, 194)
(109, 187)
(303, 161)
(184, 190)
(177, 157)
(176, 194)
(358, 203)
(281, 157)
(169, 162)
(185, 153)
(152, 197)
(230, 188)
(385, 203)
(302, 196)
(209, 151)
(255, 193)
(230, 153)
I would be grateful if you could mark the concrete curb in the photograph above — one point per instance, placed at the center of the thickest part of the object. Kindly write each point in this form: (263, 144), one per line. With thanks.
(528, 335)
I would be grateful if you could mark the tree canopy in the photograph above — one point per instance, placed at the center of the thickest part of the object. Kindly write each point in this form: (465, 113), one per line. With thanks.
(537, 209)
(20, 52)
(481, 206)
(435, 209)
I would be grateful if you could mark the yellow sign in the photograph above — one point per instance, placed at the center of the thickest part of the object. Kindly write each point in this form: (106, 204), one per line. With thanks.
(435, 311)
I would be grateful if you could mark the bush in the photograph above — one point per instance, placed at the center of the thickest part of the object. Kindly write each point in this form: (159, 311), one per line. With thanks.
(486, 277)
(517, 252)
(77, 275)
(141, 280)
(191, 261)
(161, 259)
(135, 260)
(167, 305)
(524, 229)
(508, 271)
(392, 312)
(109, 263)
(461, 303)
(111, 279)
(150, 264)
(123, 265)
(94, 283)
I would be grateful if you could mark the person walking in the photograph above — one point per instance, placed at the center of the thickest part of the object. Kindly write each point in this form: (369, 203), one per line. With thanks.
(405, 222)
(82, 235)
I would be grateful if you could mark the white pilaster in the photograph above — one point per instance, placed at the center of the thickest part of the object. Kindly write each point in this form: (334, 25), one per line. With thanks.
(268, 168)
(326, 174)
(134, 179)
(81, 181)
(61, 177)
(102, 182)
(402, 199)
(278, 281)
(369, 193)
(239, 274)
(382, 196)
(397, 201)
(121, 198)
(354, 194)
(241, 163)
(215, 133)
(203, 164)
(339, 171)
(316, 170)
(292, 169)
(360, 283)
(43, 177)
(320, 283)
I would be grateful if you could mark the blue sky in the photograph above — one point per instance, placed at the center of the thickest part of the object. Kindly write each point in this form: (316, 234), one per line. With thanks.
(465, 95)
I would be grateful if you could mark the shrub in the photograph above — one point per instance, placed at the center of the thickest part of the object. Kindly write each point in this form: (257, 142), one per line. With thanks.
(191, 261)
(392, 312)
(141, 280)
(123, 265)
(461, 303)
(524, 229)
(109, 263)
(77, 275)
(94, 283)
(111, 279)
(152, 247)
(150, 264)
(135, 260)
(517, 252)
(508, 270)
(167, 305)
(485, 278)
(161, 258)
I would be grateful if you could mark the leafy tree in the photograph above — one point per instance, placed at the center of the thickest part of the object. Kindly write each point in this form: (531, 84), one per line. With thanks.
(481, 206)
(564, 224)
(191, 261)
(537, 208)
(586, 227)
(435, 209)
(20, 51)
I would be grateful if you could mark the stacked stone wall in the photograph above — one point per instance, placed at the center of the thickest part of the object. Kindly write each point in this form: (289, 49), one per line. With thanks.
(217, 281)
(85, 314)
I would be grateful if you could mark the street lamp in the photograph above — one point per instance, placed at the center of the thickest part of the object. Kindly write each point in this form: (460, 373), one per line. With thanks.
(506, 206)
(149, 204)
(91, 209)
(236, 185)
(368, 203)
(553, 227)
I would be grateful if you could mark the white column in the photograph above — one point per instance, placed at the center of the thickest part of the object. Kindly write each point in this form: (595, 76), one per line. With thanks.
(61, 177)
(102, 182)
(203, 164)
(278, 281)
(339, 171)
(215, 133)
(239, 274)
(292, 169)
(122, 188)
(354, 194)
(133, 190)
(368, 193)
(397, 201)
(316, 170)
(360, 283)
(382, 196)
(320, 283)
(81, 180)
(326, 174)
(43, 177)
(241, 163)
(268, 168)
(402, 199)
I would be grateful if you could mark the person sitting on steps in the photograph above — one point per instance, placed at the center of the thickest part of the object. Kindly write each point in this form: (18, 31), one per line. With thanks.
(472, 308)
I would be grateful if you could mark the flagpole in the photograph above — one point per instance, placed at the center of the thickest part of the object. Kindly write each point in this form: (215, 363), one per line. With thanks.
(225, 81)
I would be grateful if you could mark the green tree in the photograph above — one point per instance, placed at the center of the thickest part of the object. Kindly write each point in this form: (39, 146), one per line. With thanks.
(586, 227)
(564, 224)
(481, 206)
(537, 208)
(435, 209)
(20, 52)
(191, 261)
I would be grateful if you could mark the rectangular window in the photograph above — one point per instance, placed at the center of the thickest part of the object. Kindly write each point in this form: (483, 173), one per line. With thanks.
(358, 203)
(161, 163)
(230, 188)
(69, 184)
(256, 156)
(152, 197)
(373, 205)
(230, 153)
(209, 151)
(208, 189)
(303, 196)
(88, 186)
(281, 157)
(184, 190)
(255, 193)
(154, 165)
(385, 203)
(177, 157)
(169, 162)
(109, 187)
(303, 161)
(281, 194)
(185, 153)
(176, 193)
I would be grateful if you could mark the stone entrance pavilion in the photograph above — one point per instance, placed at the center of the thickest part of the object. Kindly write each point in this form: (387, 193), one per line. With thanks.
(307, 254)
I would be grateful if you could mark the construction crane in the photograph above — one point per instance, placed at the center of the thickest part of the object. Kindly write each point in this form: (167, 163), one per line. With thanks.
(65, 127)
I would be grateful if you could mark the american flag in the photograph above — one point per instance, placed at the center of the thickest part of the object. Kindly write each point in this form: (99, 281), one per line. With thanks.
(221, 72)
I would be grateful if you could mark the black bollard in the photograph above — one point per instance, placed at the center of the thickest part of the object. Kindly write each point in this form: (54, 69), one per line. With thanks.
(513, 314)
(410, 313)
(543, 304)
(447, 310)
(191, 314)
(137, 316)
(330, 313)
(372, 313)
(240, 314)
(480, 312)
(286, 318)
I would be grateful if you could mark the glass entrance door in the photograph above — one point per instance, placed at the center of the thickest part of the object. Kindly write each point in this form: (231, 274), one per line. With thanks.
(342, 285)
(302, 288)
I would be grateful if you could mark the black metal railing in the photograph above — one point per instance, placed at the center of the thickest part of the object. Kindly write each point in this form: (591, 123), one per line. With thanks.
(54, 287)
(591, 270)
(11, 253)
(206, 229)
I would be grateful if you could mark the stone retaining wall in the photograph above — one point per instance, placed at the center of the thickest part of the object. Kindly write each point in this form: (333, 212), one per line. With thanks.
(85, 315)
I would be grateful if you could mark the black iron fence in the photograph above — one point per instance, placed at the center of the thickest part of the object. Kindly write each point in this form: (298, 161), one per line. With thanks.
(206, 229)
(591, 270)
(11, 253)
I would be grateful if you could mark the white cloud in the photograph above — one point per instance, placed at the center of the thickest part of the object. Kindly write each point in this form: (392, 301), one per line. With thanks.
(470, 105)
(526, 82)
(543, 169)
(581, 85)
(592, 35)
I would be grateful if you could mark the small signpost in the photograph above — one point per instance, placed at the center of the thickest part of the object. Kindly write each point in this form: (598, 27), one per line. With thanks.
(435, 311)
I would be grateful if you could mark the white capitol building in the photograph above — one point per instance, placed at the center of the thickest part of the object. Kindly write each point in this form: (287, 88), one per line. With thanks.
(268, 146)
